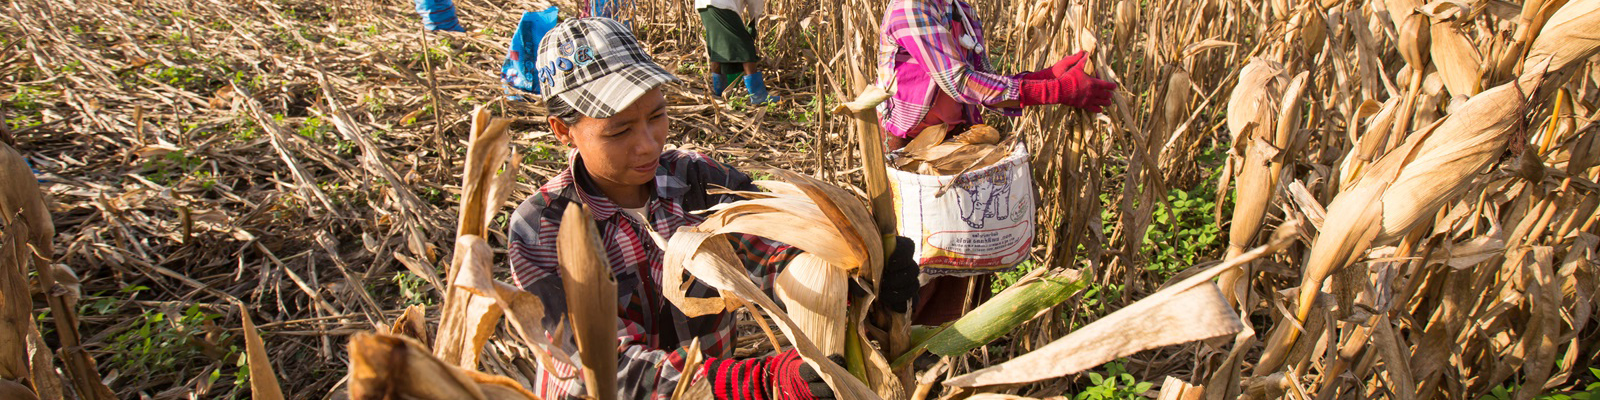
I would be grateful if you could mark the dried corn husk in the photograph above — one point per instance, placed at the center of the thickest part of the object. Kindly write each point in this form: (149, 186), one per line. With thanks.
(386, 367)
(1254, 99)
(1407, 187)
(710, 259)
(1415, 40)
(1457, 59)
(591, 300)
(413, 323)
(928, 154)
(1568, 38)
(866, 101)
(468, 320)
(979, 134)
(813, 291)
(523, 309)
(15, 391)
(1254, 112)
(822, 220)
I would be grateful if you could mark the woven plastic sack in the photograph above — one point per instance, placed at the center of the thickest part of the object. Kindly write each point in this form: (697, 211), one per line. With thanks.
(439, 15)
(983, 224)
(520, 70)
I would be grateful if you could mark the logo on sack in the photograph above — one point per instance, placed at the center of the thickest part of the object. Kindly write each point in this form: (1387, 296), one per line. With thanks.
(987, 196)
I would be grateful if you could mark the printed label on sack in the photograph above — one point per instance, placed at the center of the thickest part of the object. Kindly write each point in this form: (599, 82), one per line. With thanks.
(981, 223)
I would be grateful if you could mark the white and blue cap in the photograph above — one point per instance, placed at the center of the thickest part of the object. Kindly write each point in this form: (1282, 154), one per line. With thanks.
(597, 66)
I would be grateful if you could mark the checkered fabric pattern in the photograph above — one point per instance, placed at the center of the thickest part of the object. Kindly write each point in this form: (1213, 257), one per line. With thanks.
(597, 66)
(919, 54)
(652, 332)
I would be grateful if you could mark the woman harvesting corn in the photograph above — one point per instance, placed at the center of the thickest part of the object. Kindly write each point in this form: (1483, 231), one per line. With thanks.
(931, 52)
(731, 45)
(603, 93)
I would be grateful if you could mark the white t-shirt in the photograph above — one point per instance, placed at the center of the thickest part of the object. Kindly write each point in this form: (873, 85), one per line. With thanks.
(644, 219)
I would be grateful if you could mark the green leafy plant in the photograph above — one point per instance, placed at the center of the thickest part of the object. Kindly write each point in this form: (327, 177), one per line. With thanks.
(171, 167)
(413, 289)
(160, 342)
(1117, 383)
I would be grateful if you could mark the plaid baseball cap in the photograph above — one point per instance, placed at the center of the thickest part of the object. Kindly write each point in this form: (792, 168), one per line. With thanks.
(596, 66)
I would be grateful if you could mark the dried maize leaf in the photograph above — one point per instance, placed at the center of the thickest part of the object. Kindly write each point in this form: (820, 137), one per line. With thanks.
(788, 220)
(263, 382)
(979, 134)
(1568, 38)
(413, 323)
(1349, 228)
(849, 214)
(1457, 59)
(1468, 253)
(1176, 315)
(1543, 324)
(709, 258)
(812, 292)
(387, 367)
(1192, 309)
(591, 300)
(523, 309)
(16, 306)
(15, 391)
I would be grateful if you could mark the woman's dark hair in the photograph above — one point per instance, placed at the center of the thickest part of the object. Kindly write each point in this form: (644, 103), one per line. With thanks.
(561, 110)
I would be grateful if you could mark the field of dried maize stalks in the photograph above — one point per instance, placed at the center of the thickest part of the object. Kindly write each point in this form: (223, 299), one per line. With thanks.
(1393, 198)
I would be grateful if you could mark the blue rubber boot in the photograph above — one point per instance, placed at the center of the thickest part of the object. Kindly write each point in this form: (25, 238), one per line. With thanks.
(719, 83)
(758, 90)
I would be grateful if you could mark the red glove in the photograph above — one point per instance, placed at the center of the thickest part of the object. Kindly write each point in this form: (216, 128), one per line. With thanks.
(1073, 88)
(751, 379)
(1055, 71)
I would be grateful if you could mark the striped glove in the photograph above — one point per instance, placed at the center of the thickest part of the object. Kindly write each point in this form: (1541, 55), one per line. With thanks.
(755, 378)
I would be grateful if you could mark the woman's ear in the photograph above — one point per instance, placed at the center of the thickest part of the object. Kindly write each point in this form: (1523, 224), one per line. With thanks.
(561, 130)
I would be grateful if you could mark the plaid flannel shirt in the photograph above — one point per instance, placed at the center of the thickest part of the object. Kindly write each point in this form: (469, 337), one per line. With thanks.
(919, 55)
(652, 332)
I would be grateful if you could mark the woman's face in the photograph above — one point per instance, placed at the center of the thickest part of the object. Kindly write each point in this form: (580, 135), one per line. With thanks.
(624, 150)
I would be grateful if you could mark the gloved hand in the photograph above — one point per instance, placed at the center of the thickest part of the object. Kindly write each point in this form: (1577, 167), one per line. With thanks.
(1073, 88)
(899, 282)
(1055, 71)
(750, 379)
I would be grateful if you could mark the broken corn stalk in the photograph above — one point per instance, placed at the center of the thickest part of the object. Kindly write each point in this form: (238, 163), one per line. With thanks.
(591, 300)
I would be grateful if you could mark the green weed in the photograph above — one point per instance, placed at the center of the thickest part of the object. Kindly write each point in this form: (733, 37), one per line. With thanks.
(413, 289)
(161, 343)
(1117, 383)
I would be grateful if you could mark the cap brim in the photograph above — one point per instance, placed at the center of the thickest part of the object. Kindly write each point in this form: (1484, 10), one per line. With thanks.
(604, 96)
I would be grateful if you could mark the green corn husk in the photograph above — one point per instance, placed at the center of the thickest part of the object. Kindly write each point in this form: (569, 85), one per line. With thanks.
(1001, 314)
